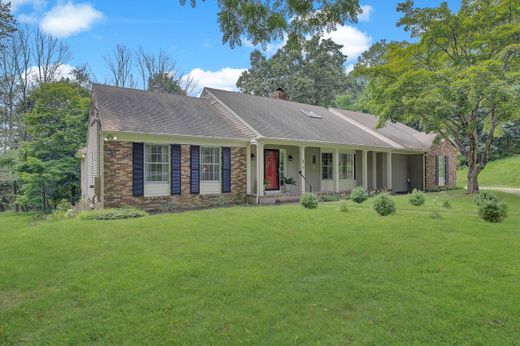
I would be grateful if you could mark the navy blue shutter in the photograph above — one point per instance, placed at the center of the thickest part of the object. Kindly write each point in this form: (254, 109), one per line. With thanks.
(175, 160)
(446, 170)
(195, 169)
(138, 169)
(226, 169)
(437, 170)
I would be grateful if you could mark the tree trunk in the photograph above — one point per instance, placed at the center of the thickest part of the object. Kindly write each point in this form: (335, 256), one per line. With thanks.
(472, 183)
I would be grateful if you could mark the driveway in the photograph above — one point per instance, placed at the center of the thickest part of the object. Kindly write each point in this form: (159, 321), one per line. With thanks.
(513, 190)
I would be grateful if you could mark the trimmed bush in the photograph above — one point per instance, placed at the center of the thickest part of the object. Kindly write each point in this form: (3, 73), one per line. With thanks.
(446, 204)
(343, 206)
(485, 196)
(309, 200)
(435, 212)
(384, 205)
(112, 214)
(492, 211)
(417, 198)
(359, 195)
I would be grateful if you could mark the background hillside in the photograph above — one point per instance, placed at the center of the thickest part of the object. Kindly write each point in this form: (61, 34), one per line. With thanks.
(499, 173)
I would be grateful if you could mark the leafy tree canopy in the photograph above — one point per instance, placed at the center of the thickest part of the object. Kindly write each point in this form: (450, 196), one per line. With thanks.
(262, 21)
(313, 74)
(166, 83)
(460, 79)
(7, 22)
(56, 127)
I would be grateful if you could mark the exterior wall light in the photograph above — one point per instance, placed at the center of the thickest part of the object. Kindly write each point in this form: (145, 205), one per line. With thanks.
(110, 138)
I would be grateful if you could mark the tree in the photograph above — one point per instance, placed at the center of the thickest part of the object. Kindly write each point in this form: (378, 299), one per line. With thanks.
(57, 127)
(120, 66)
(49, 56)
(164, 82)
(460, 79)
(7, 22)
(313, 74)
(263, 21)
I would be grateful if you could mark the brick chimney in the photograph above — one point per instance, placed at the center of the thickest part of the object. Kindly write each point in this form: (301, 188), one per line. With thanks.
(280, 94)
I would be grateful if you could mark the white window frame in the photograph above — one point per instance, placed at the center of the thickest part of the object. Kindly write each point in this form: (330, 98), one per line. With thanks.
(156, 188)
(210, 187)
(342, 174)
(282, 160)
(331, 166)
(442, 163)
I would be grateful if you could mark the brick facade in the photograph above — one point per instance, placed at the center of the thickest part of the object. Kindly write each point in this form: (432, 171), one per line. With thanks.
(442, 148)
(118, 182)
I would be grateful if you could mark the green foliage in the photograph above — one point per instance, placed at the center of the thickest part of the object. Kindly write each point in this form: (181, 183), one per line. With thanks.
(435, 212)
(166, 83)
(446, 204)
(264, 21)
(312, 74)
(8, 180)
(288, 181)
(499, 173)
(359, 195)
(485, 196)
(56, 128)
(309, 200)
(384, 205)
(459, 78)
(112, 214)
(330, 198)
(7, 21)
(343, 206)
(417, 198)
(492, 210)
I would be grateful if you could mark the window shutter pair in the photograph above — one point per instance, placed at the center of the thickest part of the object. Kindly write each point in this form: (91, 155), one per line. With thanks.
(195, 169)
(138, 169)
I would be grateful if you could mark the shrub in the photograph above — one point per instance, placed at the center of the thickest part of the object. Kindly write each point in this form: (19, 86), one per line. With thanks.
(359, 195)
(485, 196)
(435, 212)
(417, 198)
(343, 206)
(492, 211)
(446, 204)
(384, 205)
(309, 200)
(64, 210)
(112, 214)
(330, 198)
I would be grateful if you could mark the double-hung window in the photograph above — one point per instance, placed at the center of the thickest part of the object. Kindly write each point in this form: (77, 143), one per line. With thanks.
(210, 164)
(156, 164)
(326, 166)
(346, 166)
(441, 173)
(283, 164)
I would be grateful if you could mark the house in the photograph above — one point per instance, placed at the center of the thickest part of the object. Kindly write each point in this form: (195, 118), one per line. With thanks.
(155, 150)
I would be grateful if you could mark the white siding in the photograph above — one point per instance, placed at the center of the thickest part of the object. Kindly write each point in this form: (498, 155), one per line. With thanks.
(92, 156)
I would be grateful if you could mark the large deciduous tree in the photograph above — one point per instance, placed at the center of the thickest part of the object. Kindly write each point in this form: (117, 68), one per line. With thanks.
(57, 127)
(314, 74)
(262, 21)
(460, 78)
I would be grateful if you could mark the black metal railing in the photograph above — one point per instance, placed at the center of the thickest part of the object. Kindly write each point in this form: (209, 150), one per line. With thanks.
(310, 186)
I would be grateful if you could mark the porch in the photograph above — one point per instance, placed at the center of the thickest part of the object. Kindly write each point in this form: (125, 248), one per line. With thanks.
(273, 170)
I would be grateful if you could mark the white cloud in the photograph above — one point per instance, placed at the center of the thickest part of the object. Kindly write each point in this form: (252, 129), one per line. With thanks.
(26, 18)
(68, 19)
(225, 78)
(365, 15)
(349, 68)
(354, 41)
(35, 4)
(63, 71)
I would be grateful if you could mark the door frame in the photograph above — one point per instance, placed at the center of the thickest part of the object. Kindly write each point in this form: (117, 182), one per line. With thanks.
(277, 169)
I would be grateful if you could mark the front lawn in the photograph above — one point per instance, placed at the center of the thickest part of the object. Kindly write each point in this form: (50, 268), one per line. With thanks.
(264, 275)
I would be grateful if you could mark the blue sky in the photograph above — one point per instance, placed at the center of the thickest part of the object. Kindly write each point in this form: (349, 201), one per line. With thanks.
(191, 36)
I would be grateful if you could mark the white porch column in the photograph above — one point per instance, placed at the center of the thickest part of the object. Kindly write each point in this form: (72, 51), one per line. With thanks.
(365, 170)
(389, 171)
(335, 162)
(374, 169)
(302, 168)
(248, 169)
(259, 170)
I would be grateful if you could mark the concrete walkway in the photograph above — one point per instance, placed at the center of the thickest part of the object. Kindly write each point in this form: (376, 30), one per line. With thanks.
(512, 190)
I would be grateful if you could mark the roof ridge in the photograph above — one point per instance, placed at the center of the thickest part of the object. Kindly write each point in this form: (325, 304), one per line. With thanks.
(366, 128)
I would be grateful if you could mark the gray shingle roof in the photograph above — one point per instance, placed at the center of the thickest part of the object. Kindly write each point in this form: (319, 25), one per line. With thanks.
(131, 110)
(276, 118)
(397, 132)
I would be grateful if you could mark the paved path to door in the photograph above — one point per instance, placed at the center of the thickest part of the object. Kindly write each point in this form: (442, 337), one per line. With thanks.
(513, 190)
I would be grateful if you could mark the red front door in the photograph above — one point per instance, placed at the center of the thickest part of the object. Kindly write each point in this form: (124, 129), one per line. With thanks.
(272, 179)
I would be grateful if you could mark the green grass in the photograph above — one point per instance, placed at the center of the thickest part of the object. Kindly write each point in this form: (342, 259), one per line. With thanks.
(500, 173)
(265, 275)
